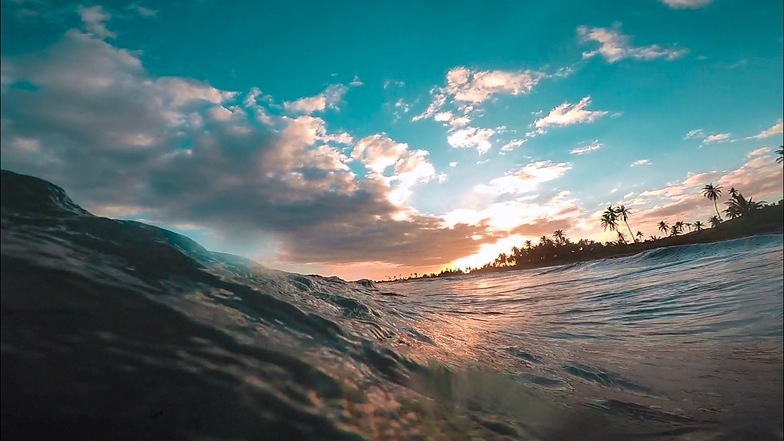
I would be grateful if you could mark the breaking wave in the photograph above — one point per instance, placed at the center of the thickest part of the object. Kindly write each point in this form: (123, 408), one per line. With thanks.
(120, 330)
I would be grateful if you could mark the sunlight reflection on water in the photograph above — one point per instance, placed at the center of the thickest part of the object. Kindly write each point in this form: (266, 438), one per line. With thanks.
(699, 331)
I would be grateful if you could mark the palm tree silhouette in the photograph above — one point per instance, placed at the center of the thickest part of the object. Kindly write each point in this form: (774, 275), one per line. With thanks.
(621, 237)
(780, 152)
(609, 219)
(732, 211)
(714, 221)
(674, 231)
(712, 192)
(560, 237)
(698, 226)
(664, 227)
(679, 226)
(733, 192)
(740, 206)
(623, 213)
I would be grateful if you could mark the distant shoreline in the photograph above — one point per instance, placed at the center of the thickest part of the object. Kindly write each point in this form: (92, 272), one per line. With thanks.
(767, 221)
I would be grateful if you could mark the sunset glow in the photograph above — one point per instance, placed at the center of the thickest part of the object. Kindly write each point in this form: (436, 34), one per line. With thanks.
(371, 141)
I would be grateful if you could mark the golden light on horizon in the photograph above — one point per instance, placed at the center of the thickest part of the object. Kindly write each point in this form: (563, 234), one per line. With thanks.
(488, 252)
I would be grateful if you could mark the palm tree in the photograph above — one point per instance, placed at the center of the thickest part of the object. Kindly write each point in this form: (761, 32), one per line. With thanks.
(528, 245)
(780, 152)
(624, 213)
(560, 237)
(674, 231)
(664, 227)
(740, 206)
(733, 192)
(621, 237)
(712, 192)
(609, 219)
(715, 221)
(732, 211)
(653, 237)
(639, 235)
(698, 226)
(679, 226)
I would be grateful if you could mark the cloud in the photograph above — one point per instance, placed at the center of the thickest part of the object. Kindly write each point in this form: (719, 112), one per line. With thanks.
(759, 177)
(394, 83)
(451, 120)
(525, 179)
(94, 19)
(758, 152)
(596, 145)
(143, 11)
(379, 153)
(686, 4)
(711, 138)
(471, 137)
(180, 151)
(776, 129)
(466, 88)
(640, 162)
(474, 87)
(525, 216)
(453, 164)
(328, 99)
(567, 114)
(513, 144)
(717, 137)
(614, 46)
(402, 105)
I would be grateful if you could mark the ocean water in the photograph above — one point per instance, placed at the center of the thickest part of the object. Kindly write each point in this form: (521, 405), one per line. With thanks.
(119, 330)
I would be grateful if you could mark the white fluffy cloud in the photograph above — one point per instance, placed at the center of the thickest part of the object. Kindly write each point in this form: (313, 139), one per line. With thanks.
(760, 177)
(328, 99)
(640, 162)
(525, 179)
(513, 144)
(379, 153)
(471, 137)
(708, 138)
(718, 137)
(567, 114)
(466, 88)
(474, 87)
(175, 150)
(758, 152)
(94, 19)
(776, 129)
(686, 4)
(582, 150)
(615, 46)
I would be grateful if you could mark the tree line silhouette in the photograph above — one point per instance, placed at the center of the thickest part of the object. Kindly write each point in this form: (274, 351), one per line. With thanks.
(745, 216)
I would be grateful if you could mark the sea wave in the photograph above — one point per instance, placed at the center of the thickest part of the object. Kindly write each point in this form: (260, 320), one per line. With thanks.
(120, 330)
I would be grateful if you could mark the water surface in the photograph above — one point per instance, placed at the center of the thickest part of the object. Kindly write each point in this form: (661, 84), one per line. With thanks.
(119, 330)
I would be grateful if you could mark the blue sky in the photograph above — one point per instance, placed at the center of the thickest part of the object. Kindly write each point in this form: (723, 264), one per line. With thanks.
(368, 139)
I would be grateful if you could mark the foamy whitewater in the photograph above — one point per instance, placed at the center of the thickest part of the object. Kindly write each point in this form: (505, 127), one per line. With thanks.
(119, 330)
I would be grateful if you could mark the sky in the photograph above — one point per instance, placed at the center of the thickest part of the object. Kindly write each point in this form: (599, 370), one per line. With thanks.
(371, 139)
